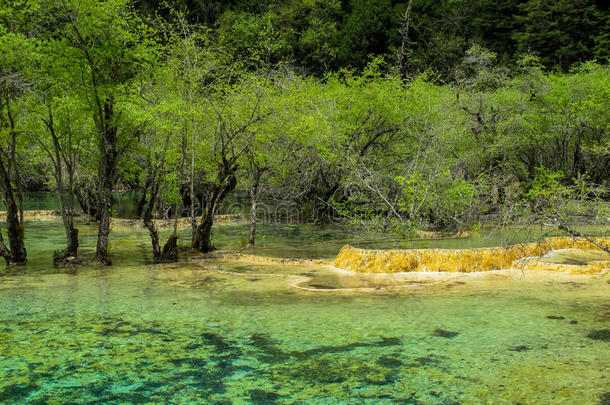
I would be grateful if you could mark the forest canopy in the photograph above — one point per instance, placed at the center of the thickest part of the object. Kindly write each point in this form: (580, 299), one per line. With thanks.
(317, 36)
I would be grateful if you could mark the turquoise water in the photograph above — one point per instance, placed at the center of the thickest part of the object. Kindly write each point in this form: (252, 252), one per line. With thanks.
(123, 203)
(325, 241)
(229, 331)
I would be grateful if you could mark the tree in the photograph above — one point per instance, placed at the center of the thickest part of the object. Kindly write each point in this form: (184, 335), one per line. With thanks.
(56, 118)
(154, 114)
(59, 124)
(106, 45)
(552, 203)
(272, 142)
(231, 115)
(560, 31)
(13, 62)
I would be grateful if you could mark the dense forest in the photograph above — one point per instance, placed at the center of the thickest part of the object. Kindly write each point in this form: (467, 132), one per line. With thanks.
(394, 116)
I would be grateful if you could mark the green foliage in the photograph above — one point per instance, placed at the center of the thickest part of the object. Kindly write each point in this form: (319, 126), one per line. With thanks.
(59, 255)
(560, 31)
(251, 37)
(546, 187)
(319, 36)
(234, 101)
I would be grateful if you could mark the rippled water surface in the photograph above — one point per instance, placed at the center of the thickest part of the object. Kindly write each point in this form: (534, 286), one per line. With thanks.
(218, 330)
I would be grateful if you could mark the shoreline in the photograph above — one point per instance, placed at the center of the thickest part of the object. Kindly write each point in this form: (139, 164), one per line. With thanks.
(81, 218)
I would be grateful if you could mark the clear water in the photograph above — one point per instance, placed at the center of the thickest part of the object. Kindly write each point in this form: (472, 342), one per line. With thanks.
(123, 203)
(232, 331)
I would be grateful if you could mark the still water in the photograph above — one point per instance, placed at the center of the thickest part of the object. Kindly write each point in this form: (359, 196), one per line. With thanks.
(232, 331)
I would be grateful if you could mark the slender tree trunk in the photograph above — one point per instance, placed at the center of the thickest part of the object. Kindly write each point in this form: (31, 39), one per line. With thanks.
(577, 234)
(5, 253)
(142, 199)
(17, 253)
(254, 194)
(203, 232)
(68, 220)
(192, 190)
(101, 251)
(12, 157)
(88, 202)
(404, 31)
(65, 207)
(107, 177)
(177, 211)
(170, 251)
(154, 236)
(14, 215)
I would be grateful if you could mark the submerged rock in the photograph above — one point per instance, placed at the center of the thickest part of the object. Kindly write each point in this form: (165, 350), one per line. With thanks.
(389, 361)
(321, 286)
(259, 396)
(600, 334)
(557, 317)
(521, 348)
(445, 333)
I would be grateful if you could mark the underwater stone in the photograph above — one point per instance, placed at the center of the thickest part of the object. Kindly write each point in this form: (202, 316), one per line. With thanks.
(558, 317)
(388, 341)
(601, 334)
(17, 391)
(263, 397)
(520, 348)
(573, 322)
(445, 333)
(321, 286)
(390, 362)
(426, 360)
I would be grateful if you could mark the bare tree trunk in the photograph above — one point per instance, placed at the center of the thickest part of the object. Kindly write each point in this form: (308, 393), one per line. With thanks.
(254, 194)
(65, 207)
(170, 249)
(192, 190)
(404, 31)
(142, 199)
(88, 202)
(180, 181)
(107, 176)
(68, 220)
(154, 236)
(574, 233)
(5, 253)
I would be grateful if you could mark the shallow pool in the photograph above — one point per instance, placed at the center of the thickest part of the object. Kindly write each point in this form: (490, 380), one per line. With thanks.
(222, 330)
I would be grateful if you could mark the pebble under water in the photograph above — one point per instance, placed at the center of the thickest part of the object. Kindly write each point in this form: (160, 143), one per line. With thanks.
(223, 331)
